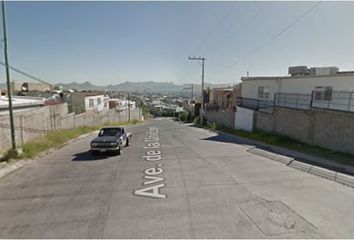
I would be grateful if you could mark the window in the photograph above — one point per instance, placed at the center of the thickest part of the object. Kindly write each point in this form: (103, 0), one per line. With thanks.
(323, 93)
(91, 103)
(110, 132)
(327, 94)
(263, 92)
(98, 101)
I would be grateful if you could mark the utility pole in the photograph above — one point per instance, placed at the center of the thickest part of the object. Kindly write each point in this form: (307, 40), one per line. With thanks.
(9, 90)
(202, 59)
(129, 107)
(190, 87)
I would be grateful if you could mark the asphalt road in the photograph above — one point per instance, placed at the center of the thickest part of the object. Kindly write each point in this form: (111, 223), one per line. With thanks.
(194, 184)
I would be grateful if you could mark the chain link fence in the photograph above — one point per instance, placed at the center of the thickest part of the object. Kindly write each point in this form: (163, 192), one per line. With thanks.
(334, 100)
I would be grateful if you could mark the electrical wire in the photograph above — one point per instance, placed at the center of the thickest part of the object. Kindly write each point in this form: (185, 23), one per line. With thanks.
(253, 17)
(219, 23)
(267, 42)
(27, 74)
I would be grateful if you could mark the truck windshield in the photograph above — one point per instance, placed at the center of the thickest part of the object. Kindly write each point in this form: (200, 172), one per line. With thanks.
(109, 132)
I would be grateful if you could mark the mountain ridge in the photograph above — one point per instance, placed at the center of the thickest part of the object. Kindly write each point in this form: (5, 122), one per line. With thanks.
(148, 86)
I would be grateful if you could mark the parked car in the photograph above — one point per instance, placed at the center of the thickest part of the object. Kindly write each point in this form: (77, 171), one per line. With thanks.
(111, 139)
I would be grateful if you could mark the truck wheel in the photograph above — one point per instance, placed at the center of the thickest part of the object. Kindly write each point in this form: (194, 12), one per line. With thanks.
(119, 152)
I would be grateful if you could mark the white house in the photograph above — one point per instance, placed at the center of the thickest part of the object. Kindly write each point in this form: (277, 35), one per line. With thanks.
(304, 88)
(121, 104)
(301, 80)
(95, 102)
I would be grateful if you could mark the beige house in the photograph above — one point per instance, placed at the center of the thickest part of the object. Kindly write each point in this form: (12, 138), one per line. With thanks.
(19, 86)
(224, 98)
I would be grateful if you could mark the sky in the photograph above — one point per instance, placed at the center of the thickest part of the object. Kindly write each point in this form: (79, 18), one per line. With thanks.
(114, 42)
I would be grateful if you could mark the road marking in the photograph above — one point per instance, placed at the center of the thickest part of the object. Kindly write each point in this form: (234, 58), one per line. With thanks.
(153, 174)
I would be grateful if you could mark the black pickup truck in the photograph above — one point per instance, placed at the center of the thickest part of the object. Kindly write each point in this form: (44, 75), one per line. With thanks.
(111, 139)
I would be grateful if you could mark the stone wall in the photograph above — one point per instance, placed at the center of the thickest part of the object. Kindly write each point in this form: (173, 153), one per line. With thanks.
(36, 122)
(222, 117)
(326, 128)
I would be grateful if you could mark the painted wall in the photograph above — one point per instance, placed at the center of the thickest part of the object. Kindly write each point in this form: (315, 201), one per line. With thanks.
(244, 119)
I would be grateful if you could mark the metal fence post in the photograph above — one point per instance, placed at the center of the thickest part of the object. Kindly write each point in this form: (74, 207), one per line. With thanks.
(22, 130)
(297, 100)
(350, 99)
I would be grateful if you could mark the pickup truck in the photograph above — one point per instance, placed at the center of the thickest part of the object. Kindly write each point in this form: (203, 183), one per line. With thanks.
(111, 139)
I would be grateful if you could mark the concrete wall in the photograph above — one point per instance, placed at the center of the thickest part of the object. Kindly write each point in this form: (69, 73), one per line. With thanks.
(222, 117)
(36, 122)
(326, 128)
(301, 84)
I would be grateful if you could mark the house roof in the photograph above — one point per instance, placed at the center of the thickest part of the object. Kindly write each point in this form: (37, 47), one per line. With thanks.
(222, 89)
(338, 74)
(21, 101)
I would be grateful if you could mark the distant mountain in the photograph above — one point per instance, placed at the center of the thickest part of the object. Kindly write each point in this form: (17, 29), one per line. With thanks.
(81, 86)
(148, 87)
(156, 87)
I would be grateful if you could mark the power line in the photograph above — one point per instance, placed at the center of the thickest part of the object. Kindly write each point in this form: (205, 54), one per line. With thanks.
(27, 74)
(250, 19)
(219, 23)
(270, 40)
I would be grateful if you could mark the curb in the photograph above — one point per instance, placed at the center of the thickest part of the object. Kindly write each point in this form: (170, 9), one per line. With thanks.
(289, 157)
(9, 167)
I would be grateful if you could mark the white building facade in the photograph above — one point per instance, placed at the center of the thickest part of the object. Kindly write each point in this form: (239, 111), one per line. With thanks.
(305, 88)
(97, 102)
(264, 88)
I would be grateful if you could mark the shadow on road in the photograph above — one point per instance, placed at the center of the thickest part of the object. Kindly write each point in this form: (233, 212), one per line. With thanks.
(226, 138)
(88, 156)
(324, 163)
(234, 139)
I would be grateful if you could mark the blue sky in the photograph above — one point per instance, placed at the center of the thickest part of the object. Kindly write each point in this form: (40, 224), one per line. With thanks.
(114, 42)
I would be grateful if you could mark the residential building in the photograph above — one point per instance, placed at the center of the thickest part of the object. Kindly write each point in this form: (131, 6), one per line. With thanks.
(79, 102)
(305, 88)
(301, 80)
(19, 86)
(224, 98)
(121, 104)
